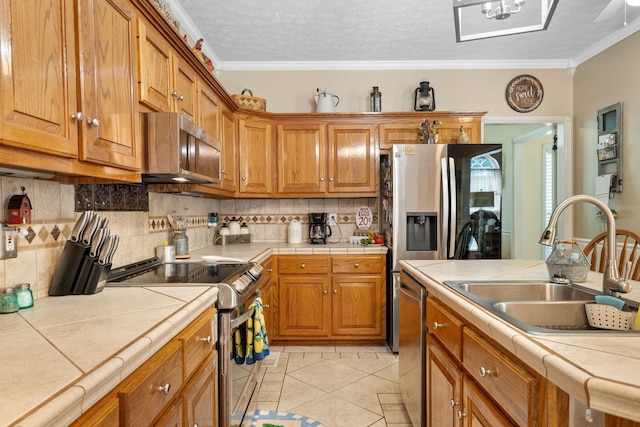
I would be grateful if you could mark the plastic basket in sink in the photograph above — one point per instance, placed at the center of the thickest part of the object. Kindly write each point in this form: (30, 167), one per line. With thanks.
(605, 316)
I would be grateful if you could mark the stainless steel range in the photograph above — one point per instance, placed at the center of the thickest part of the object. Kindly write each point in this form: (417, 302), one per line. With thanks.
(237, 285)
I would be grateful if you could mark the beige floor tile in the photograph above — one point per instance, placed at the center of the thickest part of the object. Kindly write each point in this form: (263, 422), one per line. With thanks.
(280, 369)
(336, 412)
(351, 355)
(297, 355)
(385, 355)
(276, 348)
(390, 373)
(295, 393)
(313, 356)
(370, 355)
(268, 406)
(279, 377)
(327, 375)
(331, 355)
(361, 349)
(392, 407)
(268, 396)
(379, 423)
(370, 366)
(309, 349)
(364, 392)
(390, 398)
(395, 417)
(296, 364)
(271, 385)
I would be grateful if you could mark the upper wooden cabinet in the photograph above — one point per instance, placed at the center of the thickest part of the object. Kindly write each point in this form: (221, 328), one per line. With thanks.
(403, 128)
(165, 81)
(67, 85)
(321, 160)
(256, 157)
(229, 138)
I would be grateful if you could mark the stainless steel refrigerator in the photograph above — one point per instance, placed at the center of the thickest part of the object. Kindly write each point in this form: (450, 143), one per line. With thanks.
(439, 201)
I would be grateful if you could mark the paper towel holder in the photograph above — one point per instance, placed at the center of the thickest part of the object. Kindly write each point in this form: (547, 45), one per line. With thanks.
(609, 146)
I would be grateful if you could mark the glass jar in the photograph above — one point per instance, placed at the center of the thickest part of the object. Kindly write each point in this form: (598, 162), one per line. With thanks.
(25, 296)
(8, 301)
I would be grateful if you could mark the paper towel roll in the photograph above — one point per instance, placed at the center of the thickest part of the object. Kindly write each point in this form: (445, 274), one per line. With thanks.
(603, 185)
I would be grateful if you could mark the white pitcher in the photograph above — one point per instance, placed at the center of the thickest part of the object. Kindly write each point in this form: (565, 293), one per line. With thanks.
(324, 101)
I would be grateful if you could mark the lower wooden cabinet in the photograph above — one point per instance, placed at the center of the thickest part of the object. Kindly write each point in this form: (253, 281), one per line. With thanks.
(335, 298)
(200, 397)
(478, 410)
(105, 413)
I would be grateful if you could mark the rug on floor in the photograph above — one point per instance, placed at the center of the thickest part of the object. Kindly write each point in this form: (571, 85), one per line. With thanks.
(261, 418)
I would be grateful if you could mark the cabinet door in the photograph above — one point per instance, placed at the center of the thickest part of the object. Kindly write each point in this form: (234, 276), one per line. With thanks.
(229, 171)
(302, 160)
(38, 77)
(208, 110)
(155, 69)
(357, 305)
(353, 159)
(171, 416)
(256, 156)
(201, 396)
(480, 411)
(268, 297)
(185, 82)
(106, 34)
(304, 306)
(105, 413)
(444, 387)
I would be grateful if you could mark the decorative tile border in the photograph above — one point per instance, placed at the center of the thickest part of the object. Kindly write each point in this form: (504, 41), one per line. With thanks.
(279, 218)
(158, 224)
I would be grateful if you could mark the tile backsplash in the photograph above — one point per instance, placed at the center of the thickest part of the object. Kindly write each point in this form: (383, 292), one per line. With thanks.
(53, 217)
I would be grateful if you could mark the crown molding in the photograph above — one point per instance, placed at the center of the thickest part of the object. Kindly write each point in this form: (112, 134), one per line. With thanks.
(606, 42)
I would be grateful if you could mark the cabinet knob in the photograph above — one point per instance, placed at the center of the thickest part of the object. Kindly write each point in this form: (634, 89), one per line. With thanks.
(321, 178)
(174, 94)
(94, 122)
(356, 265)
(303, 265)
(164, 389)
(335, 291)
(437, 325)
(244, 178)
(453, 403)
(270, 270)
(484, 372)
(207, 340)
(78, 117)
(265, 305)
(180, 98)
(223, 171)
(324, 292)
(331, 179)
(461, 415)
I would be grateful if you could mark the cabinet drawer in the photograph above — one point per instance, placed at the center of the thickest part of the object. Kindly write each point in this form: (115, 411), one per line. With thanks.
(198, 342)
(445, 326)
(359, 265)
(513, 388)
(149, 389)
(303, 265)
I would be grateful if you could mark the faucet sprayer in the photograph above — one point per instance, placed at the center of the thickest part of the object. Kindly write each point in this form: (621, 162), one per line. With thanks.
(612, 283)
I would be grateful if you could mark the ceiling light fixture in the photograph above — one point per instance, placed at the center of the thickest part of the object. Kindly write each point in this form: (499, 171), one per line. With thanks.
(534, 17)
(633, 2)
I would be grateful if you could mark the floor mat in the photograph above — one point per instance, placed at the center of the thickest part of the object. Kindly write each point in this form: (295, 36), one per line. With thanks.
(262, 418)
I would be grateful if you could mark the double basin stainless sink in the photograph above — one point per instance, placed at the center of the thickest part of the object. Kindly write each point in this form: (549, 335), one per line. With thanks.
(536, 307)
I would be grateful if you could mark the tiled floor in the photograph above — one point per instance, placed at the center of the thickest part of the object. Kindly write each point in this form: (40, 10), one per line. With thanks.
(339, 386)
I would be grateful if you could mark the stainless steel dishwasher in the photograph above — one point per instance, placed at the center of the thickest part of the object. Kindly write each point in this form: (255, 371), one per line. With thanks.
(412, 348)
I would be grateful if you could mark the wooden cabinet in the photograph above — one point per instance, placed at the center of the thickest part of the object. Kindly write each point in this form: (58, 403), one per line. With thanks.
(229, 162)
(200, 397)
(331, 298)
(165, 82)
(68, 86)
(444, 387)
(403, 129)
(105, 413)
(479, 411)
(256, 157)
(208, 110)
(322, 160)
(267, 288)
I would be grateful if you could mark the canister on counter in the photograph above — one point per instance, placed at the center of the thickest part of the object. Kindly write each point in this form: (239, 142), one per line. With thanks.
(8, 300)
(25, 296)
(166, 253)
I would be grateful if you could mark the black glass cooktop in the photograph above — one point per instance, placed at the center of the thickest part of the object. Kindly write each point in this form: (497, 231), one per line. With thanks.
(179, 272)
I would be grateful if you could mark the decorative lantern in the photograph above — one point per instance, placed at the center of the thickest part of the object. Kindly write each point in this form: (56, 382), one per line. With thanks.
(19, 209)
(424, 98)
(376, 100)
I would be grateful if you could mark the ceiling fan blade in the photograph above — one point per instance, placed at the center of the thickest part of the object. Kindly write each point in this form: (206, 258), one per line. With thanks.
(609, 10)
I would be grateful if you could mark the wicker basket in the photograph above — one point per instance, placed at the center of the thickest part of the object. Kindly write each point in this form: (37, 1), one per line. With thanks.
(250, 101)
(605, 316)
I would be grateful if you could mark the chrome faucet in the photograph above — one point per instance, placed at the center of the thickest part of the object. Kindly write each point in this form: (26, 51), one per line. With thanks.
(612, 283)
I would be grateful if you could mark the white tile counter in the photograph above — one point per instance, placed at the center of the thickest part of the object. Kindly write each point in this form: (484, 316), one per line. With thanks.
(601, 371)
(69, 351)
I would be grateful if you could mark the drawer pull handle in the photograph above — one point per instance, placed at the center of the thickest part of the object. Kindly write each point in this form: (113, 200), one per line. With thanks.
(461, 415)
(244, 178)
(356, 265)
(324, 292)
(437, 325)
(303, 265)
(164, 389)
(207, 340)
(270, 270)
(335, 291)
(453, 403)
(484, 372)
(265, 306)
(94, 122)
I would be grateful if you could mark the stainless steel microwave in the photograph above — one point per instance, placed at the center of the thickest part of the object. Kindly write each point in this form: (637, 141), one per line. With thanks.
(178, 151)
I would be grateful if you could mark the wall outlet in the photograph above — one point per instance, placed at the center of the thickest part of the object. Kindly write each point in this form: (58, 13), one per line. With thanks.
(333, 219)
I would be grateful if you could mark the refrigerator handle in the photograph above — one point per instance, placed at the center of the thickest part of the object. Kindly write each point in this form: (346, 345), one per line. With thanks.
(446, 230)
(453, 220)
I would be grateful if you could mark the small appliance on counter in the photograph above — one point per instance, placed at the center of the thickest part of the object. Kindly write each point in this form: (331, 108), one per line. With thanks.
(319, 230)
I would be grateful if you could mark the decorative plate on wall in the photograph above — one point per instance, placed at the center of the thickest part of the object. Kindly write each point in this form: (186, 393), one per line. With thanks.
(524, 93)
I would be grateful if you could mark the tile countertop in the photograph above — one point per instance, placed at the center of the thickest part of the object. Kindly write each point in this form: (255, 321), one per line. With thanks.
(65, 353)
(69, 351)
(601, 371)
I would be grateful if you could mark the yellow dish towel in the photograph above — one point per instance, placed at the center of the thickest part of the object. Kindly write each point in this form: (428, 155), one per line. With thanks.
(636, 323)
(250, 341)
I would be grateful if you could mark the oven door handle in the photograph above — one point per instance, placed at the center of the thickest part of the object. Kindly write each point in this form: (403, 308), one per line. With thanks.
(242, 318)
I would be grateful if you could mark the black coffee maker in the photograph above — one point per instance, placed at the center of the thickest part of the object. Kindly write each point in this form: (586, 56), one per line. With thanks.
(319, 230)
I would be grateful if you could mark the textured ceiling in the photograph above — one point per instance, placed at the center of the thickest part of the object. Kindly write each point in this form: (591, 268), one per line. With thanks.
(255, 34)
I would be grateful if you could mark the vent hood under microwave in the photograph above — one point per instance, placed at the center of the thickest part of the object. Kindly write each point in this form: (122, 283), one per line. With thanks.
(178, 151)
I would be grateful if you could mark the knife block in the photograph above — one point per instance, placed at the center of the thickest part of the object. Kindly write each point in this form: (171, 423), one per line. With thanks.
(96, 279)
(68, 268)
